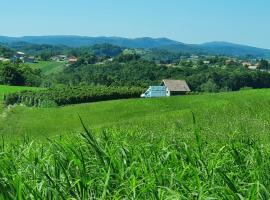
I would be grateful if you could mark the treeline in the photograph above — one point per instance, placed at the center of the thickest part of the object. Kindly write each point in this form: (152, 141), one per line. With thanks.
(45, 52)
(228, 79)
(71, 95)
(133, 71)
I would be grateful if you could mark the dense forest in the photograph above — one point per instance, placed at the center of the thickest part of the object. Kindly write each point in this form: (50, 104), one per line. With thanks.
(131, 70)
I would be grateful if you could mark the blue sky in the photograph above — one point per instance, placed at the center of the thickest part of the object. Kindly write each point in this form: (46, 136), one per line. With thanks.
(190, 21)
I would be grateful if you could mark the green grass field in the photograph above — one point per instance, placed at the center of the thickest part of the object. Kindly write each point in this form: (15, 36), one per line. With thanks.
(221, 114)
(211, 146)
(49, 67)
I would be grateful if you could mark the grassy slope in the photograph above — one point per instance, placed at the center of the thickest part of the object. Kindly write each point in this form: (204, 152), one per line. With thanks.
(49, 67)
(152, 150)
(217, 114)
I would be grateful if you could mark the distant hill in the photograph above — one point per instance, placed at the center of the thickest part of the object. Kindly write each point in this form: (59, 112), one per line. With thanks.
(78, 41)
(213, 48)
(226, 48)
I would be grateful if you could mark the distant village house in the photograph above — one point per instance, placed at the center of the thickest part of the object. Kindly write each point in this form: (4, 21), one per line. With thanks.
(72, 60)
(253, 67)
(175, 87)
(30, 59)
(4, 59)
(59, 58)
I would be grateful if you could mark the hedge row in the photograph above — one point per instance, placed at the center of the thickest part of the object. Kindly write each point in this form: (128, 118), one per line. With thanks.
(71, 95)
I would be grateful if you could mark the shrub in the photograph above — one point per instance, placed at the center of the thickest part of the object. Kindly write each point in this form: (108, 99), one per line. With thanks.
(47, 104)
(71, 95)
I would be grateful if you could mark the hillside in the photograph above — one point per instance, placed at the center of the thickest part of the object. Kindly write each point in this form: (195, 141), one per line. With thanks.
(212, 48)
(219, 113)
(212, 146)
(78, 41)
(230, 49)
(48, 67)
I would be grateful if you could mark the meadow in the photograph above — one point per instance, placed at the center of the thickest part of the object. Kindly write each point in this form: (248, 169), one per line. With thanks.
(210, 146)
(49, 67)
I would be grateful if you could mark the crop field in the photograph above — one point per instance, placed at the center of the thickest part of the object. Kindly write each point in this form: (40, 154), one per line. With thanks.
(4, 90)
(49, 67)
(211, 146)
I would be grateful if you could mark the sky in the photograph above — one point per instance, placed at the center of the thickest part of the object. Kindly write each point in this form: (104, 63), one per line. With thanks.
(189, 21)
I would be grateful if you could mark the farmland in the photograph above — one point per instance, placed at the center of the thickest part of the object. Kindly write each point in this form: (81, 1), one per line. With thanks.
(49, 67)
(4, 90)
(219, 113)
(197, 146)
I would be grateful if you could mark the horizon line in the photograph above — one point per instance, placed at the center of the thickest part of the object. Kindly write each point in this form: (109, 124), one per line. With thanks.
(139, 37)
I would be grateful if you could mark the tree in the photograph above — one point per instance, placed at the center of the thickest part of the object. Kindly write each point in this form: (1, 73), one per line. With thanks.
(209, 86)
(263, 64)
(10, 75)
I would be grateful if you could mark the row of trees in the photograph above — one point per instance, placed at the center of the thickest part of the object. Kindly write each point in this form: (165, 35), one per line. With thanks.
(71, 95)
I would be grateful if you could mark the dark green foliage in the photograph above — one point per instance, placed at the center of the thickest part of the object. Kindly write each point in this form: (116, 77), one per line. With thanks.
(163, 56)
(71, 95)
(45, 52)
(209, 86)
(103, 50)
(263, 64)
(19, 74)
(6, 52)
(132, 71)
(123, 58)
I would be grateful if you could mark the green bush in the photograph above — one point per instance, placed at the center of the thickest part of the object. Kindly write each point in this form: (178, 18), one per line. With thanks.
(48, 104)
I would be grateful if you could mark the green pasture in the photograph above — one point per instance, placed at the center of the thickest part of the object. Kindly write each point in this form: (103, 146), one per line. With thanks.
(211, 146)
(49, 67)
(218, 115)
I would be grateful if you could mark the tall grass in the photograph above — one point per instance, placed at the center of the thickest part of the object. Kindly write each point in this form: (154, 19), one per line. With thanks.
(124, 164)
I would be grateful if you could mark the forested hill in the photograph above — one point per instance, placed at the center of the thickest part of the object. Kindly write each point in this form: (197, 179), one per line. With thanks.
(213, 48)
(78, 41)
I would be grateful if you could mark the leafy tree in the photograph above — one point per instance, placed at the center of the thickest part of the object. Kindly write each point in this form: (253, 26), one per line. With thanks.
(10, 75)
(19, 74)
(263, 64)
(209, 86)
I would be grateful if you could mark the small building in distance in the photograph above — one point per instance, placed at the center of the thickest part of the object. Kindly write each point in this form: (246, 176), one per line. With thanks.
(253, 67)
(59, 58)
(19, 56)
(175, 87)
(167, 88)
(246, 64)
(72, 60)
(2, 59)
(30, 59)
(206, 62)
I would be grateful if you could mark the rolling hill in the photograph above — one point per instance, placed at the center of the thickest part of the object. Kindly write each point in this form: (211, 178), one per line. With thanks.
(78, 41)
(212, 48)
(163, 148)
